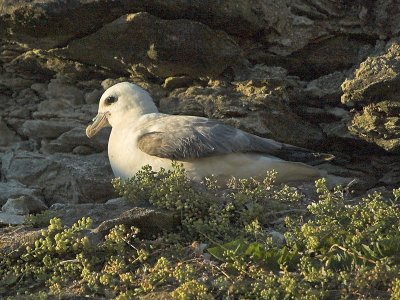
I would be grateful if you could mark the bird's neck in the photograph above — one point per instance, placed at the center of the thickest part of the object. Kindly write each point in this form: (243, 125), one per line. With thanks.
(134, 114)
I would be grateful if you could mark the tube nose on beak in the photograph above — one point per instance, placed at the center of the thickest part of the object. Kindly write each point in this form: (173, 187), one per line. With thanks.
(99, 122)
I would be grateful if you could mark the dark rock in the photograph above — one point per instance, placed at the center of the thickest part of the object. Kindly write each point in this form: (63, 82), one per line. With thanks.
(376, 79)
(379, 123)
(327, 88)
(373, 90)
(82, 150)
(115, 212)
(98, 212)
(11, 219)
(93, 97)
(50, 23)
(23, 205)
(76, 137)
(151, 222)
(64, 92)
(62, 178)
(165, 47)
(172, 83)
(42, 66)
(50, 109)
(7, 136)
(14, 189)
(38, 129)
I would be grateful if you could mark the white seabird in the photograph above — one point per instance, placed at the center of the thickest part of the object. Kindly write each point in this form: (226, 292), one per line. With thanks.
(142, 136)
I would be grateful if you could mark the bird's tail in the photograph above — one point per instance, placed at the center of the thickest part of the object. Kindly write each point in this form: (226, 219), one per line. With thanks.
(293, 153)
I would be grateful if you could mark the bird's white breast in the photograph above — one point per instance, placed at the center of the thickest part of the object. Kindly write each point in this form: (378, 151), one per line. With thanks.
(125, 156)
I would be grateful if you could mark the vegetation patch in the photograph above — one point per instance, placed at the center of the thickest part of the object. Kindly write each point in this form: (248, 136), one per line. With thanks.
(250, 239)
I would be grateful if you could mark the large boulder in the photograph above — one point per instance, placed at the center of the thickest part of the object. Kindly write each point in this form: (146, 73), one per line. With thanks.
(76, 137)
(309, 37)
(376, 79)
(43, 65)
(165, 47)
(7, 136)
(14, 189)
(62, 178)
(23, 205)
(38, 129)
(379, 123)
(374, 92)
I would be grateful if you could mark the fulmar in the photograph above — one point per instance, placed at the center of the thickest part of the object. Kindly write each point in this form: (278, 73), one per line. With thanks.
(141, 135)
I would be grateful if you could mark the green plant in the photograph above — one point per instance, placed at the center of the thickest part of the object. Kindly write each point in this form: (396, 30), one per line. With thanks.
(227, 247)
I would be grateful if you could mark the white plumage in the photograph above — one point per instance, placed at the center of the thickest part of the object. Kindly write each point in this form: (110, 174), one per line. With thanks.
(142, 136)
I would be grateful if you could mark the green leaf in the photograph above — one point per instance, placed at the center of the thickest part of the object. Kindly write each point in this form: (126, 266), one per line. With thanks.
(284, 253)
(255, 251)
(368, 251)
(237, 246)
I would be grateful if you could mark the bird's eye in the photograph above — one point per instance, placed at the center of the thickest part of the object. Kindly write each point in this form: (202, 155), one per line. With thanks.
(110, 100)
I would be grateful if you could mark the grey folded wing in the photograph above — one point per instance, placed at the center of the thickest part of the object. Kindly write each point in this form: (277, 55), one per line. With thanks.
(184, 137)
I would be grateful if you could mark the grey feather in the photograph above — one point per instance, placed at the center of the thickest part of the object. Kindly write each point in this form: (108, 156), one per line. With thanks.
(185, 137)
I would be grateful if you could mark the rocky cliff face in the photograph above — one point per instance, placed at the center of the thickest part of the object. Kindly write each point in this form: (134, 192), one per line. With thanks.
(319, 74)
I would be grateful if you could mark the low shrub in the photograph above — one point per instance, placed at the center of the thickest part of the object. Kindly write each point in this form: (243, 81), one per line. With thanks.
(248, 240)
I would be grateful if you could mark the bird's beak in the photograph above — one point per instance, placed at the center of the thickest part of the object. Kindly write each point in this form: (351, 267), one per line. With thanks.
(99, 122)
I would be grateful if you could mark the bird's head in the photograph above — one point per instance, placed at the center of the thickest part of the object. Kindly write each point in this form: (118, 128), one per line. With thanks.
(122, 100)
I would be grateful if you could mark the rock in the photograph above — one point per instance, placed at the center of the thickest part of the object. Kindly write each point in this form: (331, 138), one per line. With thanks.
(391, 178)
(13, 82)
(316, 60)
(7, 136)
(151, 222)
(11, 219)
(276, 70)
(109, 82)
(327, 88)
(379, 123)
(20, 113)
(119, 201)
(53, 109)
(23, 205)
(312, 38)
(43, 65)
(39, 129)
(76, 137)
(277, 237)
(82, 150)
(348, 174)
(165, 47)
(334, 181)
(55, 25)
(62, 178)
(66, 93)
(14, 189)
(93, 97)
(39, 88)
(385, 15)
(373, 90)
(98, 212)
(389, 169)
(105, 216)
(172, 83)
(337, 130)
(26, 97)
(64, 21)
(376, 79)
